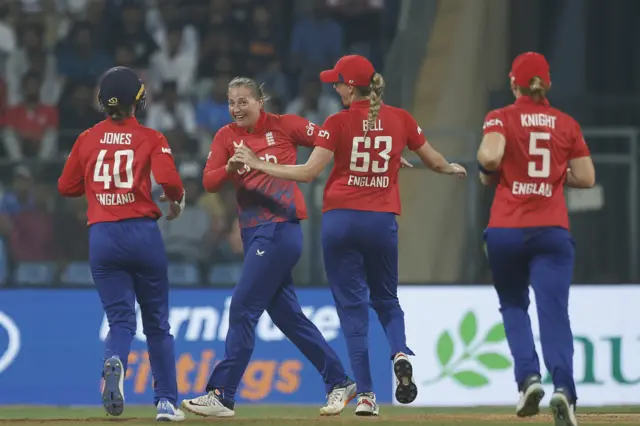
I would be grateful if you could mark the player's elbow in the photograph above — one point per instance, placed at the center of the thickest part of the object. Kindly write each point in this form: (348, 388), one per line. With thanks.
(67, 190)
(489, 160)
(308, 175)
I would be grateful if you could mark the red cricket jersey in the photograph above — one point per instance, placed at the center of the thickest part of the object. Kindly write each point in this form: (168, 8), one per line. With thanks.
(540, 142)
(112, 163)
(365, 169)
(262, 198)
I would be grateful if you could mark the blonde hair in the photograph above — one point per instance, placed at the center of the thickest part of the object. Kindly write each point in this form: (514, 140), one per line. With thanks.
(537, 90)
(374, 92)
(257, 90)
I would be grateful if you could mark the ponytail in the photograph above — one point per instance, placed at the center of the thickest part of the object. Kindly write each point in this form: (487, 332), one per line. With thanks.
(536, 90)
(375, 89)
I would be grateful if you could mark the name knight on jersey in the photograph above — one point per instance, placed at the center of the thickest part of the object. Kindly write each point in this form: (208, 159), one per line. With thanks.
(529, 188)
(538, 120)
(116, 199)
(368, 181)
(116, 138)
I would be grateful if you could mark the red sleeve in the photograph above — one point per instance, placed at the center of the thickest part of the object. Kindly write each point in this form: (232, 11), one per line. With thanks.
(164, 169)
(329, 134)
(580, 148)
(71, 182)
(301, 130)
(416, 136)
(215, 173)
(494, 123)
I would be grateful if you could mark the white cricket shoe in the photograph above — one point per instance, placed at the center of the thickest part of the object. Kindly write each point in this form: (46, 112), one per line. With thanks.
(564, 411)
(166, 412)
(209, 405)
(367, 405)
(531, 394)
(113, 386)
(406, 389)
(338, 398)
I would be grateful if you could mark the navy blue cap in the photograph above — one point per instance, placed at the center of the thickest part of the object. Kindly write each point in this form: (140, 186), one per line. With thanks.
(120, 86)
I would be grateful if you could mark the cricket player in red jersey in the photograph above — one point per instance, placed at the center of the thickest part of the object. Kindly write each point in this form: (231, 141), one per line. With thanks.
(361, 201)
(270, 213)
(112, 163)
(531, 151)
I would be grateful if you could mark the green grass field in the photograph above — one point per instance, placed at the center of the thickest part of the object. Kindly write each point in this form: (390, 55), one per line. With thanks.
(304, 415)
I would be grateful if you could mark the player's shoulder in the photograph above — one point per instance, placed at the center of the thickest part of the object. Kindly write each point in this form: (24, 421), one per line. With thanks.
(286, 121)
(564, 117)
(338, 117)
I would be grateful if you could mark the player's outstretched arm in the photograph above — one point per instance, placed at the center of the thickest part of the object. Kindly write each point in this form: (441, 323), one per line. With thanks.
(581, 173)
(306, 172)
(71, 182)
(436, 161)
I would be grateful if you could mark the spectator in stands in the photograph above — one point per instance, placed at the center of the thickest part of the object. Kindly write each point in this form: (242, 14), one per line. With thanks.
(212, 113)
(175, 61)
(265, 43)
(169, 112)
(189, 239)
(312, 104)
(274, 80)
(32, 55)
(317, 41)
(8, 41)
(216, 43)
(31, 238)
(20, 197)
(31, 128)
(71, 219)
(79, 57)
(219, 13)
(125, 56)
(130, 29)
(78, 111)
(362, 21)
(274, 106)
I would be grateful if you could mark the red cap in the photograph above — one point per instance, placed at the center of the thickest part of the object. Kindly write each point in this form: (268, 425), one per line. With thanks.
(354, 70)
(528, 65)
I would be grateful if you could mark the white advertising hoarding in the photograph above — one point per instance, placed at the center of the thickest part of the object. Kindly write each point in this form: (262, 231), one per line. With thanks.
(462, 357)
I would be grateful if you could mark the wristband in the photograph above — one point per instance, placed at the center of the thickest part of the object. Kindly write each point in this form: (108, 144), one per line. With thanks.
(485, 171)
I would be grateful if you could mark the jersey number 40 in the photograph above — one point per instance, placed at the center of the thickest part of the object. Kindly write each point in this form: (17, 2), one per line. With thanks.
(539, 151)
(102, 172)
(361, 157)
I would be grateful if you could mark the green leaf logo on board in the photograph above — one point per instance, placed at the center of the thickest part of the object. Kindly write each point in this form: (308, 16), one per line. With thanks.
(475, 359)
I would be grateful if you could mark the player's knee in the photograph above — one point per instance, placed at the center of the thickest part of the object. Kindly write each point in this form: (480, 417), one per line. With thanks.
(389, 306)
(240, 314)
(156, 329)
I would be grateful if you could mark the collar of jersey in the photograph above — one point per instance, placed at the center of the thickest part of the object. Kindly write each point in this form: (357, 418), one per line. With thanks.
(360, 104)
(526, 100)
(126, 121)
(260, 126)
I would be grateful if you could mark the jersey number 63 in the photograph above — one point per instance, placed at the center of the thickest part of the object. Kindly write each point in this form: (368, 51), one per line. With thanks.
(361, 157)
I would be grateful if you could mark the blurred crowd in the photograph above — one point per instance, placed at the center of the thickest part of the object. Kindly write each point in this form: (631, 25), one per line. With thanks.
(52, 53)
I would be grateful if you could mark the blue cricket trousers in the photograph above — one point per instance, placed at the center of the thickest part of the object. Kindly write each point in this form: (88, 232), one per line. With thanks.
(360, 251)
(128, 262)
(271, 251)
(543, 257)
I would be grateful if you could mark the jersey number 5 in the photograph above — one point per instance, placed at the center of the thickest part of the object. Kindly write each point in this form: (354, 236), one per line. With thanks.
(101, 172)
(541, 151)
(361, 160)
